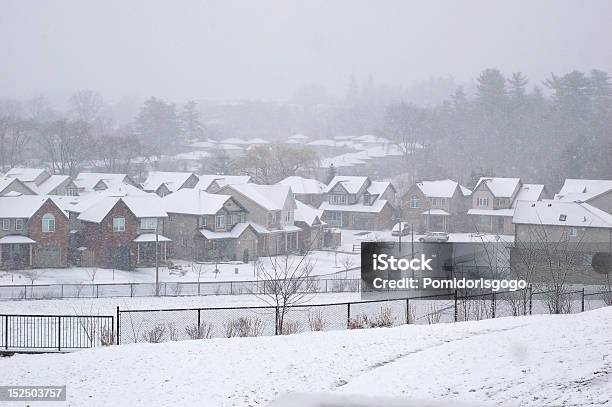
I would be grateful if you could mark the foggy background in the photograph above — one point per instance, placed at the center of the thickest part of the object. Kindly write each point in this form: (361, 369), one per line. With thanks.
(227, 50)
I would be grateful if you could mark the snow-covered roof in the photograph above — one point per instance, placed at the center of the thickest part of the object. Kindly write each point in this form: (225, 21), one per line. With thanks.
(559, 213)
(500, 187)
(306, 213)
(221, 180)
(291, 141)
(379, 187)
(583, 189)
(142, 206)
(270, 197)
(444, 188)
(50, 184)
(21, 206)
(150, 237)
(25, 174)
(352, 184)
(16, 239)
(301, 185)
(191, 155)
(378, 206)
(204, 144)
(439, 212)
(492, 212)
(235, 233)
(258, 140)
(173, 180)
(88, 180)
(325, 143)
(7, 182)
(234, 140)
(529, 192)
(299, 137)
(194, 202)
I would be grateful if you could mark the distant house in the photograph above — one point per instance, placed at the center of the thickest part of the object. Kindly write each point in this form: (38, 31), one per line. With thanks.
(271, 209)
(354, 202)
(597, 193)
(306, 190)
(438, 206)
(206, 227)
(121, 232)
(494, 200)
(41, 182)
(213, 183)
(552, 231)
(88, 182)
(163, 183)
(34, 233)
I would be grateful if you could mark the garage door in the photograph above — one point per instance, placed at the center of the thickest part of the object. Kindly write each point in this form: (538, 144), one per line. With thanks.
(48, 256)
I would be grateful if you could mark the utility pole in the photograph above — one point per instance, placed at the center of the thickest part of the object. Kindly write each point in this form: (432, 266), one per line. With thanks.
(156, 260)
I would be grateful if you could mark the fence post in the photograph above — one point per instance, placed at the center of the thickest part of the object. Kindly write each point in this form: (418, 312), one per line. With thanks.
(493, 304)
(326, 285)
(62, 291)
(118, 325)
(524, 301)
(59, 333)
(276, 320)
(199, 318)
(407, 311)
(348, 315)
(582, 302)
(131, 289)
(530, 299)
(6, 335)
(97, 290)
(198, 288)
(456, 309)
(231, 288)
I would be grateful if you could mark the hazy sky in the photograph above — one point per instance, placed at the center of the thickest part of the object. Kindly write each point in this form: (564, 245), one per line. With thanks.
(266, 49)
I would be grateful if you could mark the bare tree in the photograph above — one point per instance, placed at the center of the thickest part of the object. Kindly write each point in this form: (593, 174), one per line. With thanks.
(347, 264)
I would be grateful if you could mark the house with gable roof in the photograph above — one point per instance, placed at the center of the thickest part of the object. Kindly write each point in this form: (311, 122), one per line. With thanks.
(165, 182)
(120, 231)
(307, 190)
(88, 182)
(494, 200)
(356, 202)
(33, 232)
(205, 226)
(271, 210)
(41, 182)
(436, 206)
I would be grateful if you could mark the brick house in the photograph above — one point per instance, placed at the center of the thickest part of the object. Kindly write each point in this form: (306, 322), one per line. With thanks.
(120, 232)
(436, 206)
(312, 235)
(271, 210)
(34, 232)
(353, 202)
(206, 226)
(494, 200)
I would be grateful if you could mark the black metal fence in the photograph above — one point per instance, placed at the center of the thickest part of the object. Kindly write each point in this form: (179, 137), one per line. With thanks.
(166, 289)
(55, 332)
(201, 323)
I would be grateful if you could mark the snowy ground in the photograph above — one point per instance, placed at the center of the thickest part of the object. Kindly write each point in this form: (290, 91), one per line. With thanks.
(523, 361)
(324, 263)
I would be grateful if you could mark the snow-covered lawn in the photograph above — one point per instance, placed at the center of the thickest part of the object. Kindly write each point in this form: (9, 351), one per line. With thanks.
(526, 361)
(324, 262)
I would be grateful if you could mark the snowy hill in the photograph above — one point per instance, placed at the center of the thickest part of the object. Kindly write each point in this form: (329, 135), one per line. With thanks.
(526, 361)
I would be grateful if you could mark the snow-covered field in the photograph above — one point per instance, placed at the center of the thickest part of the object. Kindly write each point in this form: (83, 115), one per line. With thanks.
(324, 263)
(523, 361)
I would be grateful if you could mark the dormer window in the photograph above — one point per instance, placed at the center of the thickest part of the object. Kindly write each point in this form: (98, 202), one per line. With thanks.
(415, 202)
(483, 201)
(220, 222)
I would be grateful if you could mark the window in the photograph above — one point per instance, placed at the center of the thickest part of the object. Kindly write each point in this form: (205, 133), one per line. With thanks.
(484, 220)
(503, 201)
(437, 201)
(288, 216)
(18, 224)
(48, 223)
(415, 202)
(71, 192)
(334, 218)
(220, 221)
(6, 224)
(272, 218)
(483, 201)
(118, 224)
(337, 199)
(203, 220)
(148, 223)
(573, 232)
